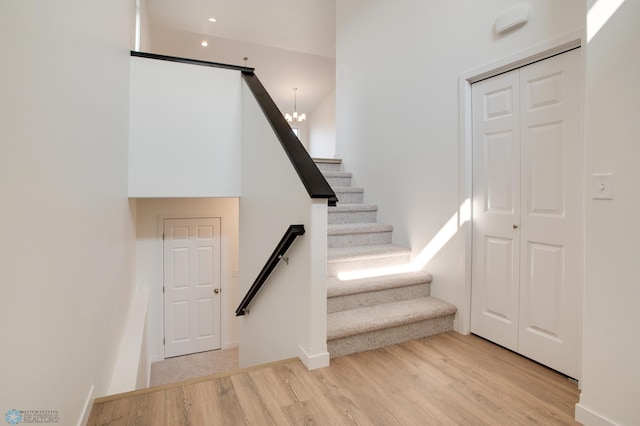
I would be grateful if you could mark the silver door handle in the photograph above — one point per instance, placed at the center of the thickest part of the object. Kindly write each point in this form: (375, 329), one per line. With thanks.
(216, 291)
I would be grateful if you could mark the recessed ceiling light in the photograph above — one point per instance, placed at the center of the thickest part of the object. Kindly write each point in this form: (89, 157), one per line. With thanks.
(204, 44)
(212, 19)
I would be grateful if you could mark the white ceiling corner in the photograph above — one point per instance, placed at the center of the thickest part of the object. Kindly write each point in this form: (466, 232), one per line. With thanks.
(306, 26)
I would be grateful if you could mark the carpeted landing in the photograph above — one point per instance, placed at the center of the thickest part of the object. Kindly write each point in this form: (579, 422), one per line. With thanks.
(187, 367)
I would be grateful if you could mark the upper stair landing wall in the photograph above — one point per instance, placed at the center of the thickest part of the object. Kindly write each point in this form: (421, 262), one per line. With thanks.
(185, 129)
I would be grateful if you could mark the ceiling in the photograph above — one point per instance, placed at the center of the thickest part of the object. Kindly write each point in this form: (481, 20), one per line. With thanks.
(306, 26)
(289, 43)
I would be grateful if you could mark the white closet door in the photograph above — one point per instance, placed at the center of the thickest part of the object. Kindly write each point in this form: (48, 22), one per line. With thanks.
(496, 209)
(551, 231)
(527, 211)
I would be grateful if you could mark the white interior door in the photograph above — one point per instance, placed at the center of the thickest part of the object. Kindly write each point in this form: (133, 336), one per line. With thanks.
(551, 231)
(496, 209)
(191, 285)
(526, 285)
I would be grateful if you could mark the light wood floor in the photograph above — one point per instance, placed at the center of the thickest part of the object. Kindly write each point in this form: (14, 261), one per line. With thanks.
(448, 379)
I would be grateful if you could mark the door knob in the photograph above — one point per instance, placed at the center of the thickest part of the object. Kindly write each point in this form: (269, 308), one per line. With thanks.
(216, 291)
(515, 226)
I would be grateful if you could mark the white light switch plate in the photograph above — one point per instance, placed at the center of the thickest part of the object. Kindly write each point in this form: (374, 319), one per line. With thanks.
(602, 185)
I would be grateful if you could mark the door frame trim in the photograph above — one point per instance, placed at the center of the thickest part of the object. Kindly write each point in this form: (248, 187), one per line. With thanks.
(520, 59)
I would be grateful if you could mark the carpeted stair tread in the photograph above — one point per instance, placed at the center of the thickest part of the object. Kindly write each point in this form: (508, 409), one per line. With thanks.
(336, 287)
(357, 228)
(353, 212)
(349, 195)
(378, 317)
(348, 189)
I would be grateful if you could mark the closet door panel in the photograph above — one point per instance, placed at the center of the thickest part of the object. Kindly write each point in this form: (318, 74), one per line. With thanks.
(496, 200)
(551, 221)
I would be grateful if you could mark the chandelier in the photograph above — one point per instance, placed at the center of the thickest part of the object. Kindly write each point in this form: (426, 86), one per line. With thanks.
(295, 117)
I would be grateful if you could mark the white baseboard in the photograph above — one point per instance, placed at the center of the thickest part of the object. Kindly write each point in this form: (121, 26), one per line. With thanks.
(313, 362)
(590, 418)
(88, 405)
(461, 327)
(230, 345)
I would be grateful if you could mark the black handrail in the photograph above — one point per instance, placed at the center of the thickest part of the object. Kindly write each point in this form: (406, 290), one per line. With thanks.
(191, 61)
(287, 239)
(313, 180)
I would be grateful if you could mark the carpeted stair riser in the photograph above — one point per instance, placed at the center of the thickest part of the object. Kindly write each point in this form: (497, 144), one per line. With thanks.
(338, 179)
(357, 239)
(363, 292)
(335, 266)
(358, 235)
(329, 167)
(337, 287)
(353, 213)
(370, 298)
(349, 195)
(388, 336)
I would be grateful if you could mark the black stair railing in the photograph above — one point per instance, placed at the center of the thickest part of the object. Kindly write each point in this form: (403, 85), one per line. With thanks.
(288, 238)
(190, 61)
(308, 171)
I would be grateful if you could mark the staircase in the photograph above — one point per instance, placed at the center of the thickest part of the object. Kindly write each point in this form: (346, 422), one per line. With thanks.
(370, 313)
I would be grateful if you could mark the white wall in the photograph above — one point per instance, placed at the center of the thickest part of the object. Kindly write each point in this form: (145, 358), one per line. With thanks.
(151, 214)
(322, 124)
(67, 252)
(144, 26)
(397, 106)
(288, 317)
(611, 347)
(184, 138)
